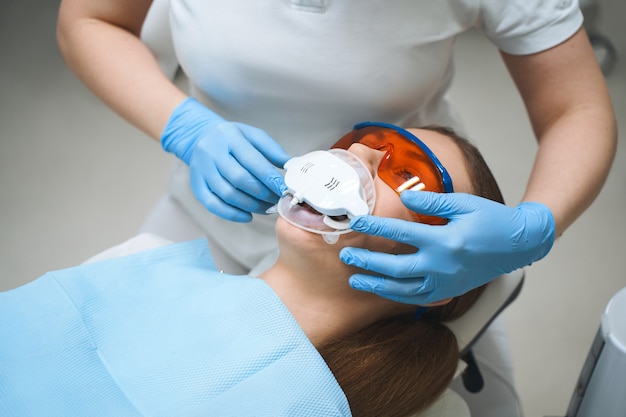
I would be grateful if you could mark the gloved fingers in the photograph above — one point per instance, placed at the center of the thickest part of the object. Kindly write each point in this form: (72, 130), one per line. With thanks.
(215, 204)
(271, 154)
(398, 266)
(264, 173)
(230, 173)
(408, 232)
(439, 204)
(237, 198)
(406, 290)
(270, 182)
(268, 147)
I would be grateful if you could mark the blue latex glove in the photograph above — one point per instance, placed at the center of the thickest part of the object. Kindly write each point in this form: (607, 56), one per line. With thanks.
(482, 240)
(232, 165)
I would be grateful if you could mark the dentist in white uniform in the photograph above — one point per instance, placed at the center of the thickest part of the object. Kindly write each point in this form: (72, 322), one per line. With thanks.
(273, 79)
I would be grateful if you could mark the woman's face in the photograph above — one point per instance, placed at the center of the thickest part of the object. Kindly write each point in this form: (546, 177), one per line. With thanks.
(388, 202)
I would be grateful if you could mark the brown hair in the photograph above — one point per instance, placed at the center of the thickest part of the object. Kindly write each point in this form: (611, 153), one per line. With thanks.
(401, 365)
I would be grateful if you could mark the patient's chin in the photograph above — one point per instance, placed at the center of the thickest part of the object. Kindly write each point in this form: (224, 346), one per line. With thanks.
(293, 236)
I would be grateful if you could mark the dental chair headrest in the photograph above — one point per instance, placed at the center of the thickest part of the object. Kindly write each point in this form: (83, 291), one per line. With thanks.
(495, 298)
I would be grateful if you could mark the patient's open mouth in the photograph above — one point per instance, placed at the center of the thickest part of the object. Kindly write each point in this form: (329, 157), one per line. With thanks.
(339, 218)
(309, 208)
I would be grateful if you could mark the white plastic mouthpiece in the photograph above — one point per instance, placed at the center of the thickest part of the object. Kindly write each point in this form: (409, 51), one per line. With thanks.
(326, 189)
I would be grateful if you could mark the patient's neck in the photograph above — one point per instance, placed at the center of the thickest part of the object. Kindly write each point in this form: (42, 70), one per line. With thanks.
(317, 293)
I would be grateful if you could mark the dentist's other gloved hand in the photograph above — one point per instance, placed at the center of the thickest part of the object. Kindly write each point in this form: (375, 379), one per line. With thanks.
(482, 240)
(232, 165)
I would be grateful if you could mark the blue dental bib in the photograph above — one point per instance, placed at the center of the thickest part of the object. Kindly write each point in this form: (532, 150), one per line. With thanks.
(157, 333)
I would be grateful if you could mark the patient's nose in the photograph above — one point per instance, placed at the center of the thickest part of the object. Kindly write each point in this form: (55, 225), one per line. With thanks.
(370, 157)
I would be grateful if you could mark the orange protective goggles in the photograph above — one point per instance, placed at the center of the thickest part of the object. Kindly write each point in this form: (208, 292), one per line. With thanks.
(408, 163)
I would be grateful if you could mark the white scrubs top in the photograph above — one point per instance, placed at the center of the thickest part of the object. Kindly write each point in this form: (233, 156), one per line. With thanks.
(306, 71)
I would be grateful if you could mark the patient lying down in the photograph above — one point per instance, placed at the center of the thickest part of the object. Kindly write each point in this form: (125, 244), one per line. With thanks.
(162, 333)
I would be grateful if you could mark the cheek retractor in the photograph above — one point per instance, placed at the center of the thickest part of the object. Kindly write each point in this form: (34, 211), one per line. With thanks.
(326, 190)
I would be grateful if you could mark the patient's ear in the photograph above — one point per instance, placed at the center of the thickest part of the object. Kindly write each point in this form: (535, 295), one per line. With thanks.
(438, 303)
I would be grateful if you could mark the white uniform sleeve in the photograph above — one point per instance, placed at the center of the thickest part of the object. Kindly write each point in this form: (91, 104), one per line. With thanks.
(522, 27)
(156, 33)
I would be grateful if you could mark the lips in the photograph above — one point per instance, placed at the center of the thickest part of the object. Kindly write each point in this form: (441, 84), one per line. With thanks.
(309, 208)
(305, 206)
(305, 215)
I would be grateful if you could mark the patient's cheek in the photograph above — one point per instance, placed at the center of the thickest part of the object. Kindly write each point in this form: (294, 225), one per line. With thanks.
(388, 203)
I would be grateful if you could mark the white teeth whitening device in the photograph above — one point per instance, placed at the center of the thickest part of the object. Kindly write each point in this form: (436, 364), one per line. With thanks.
(326, 190)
